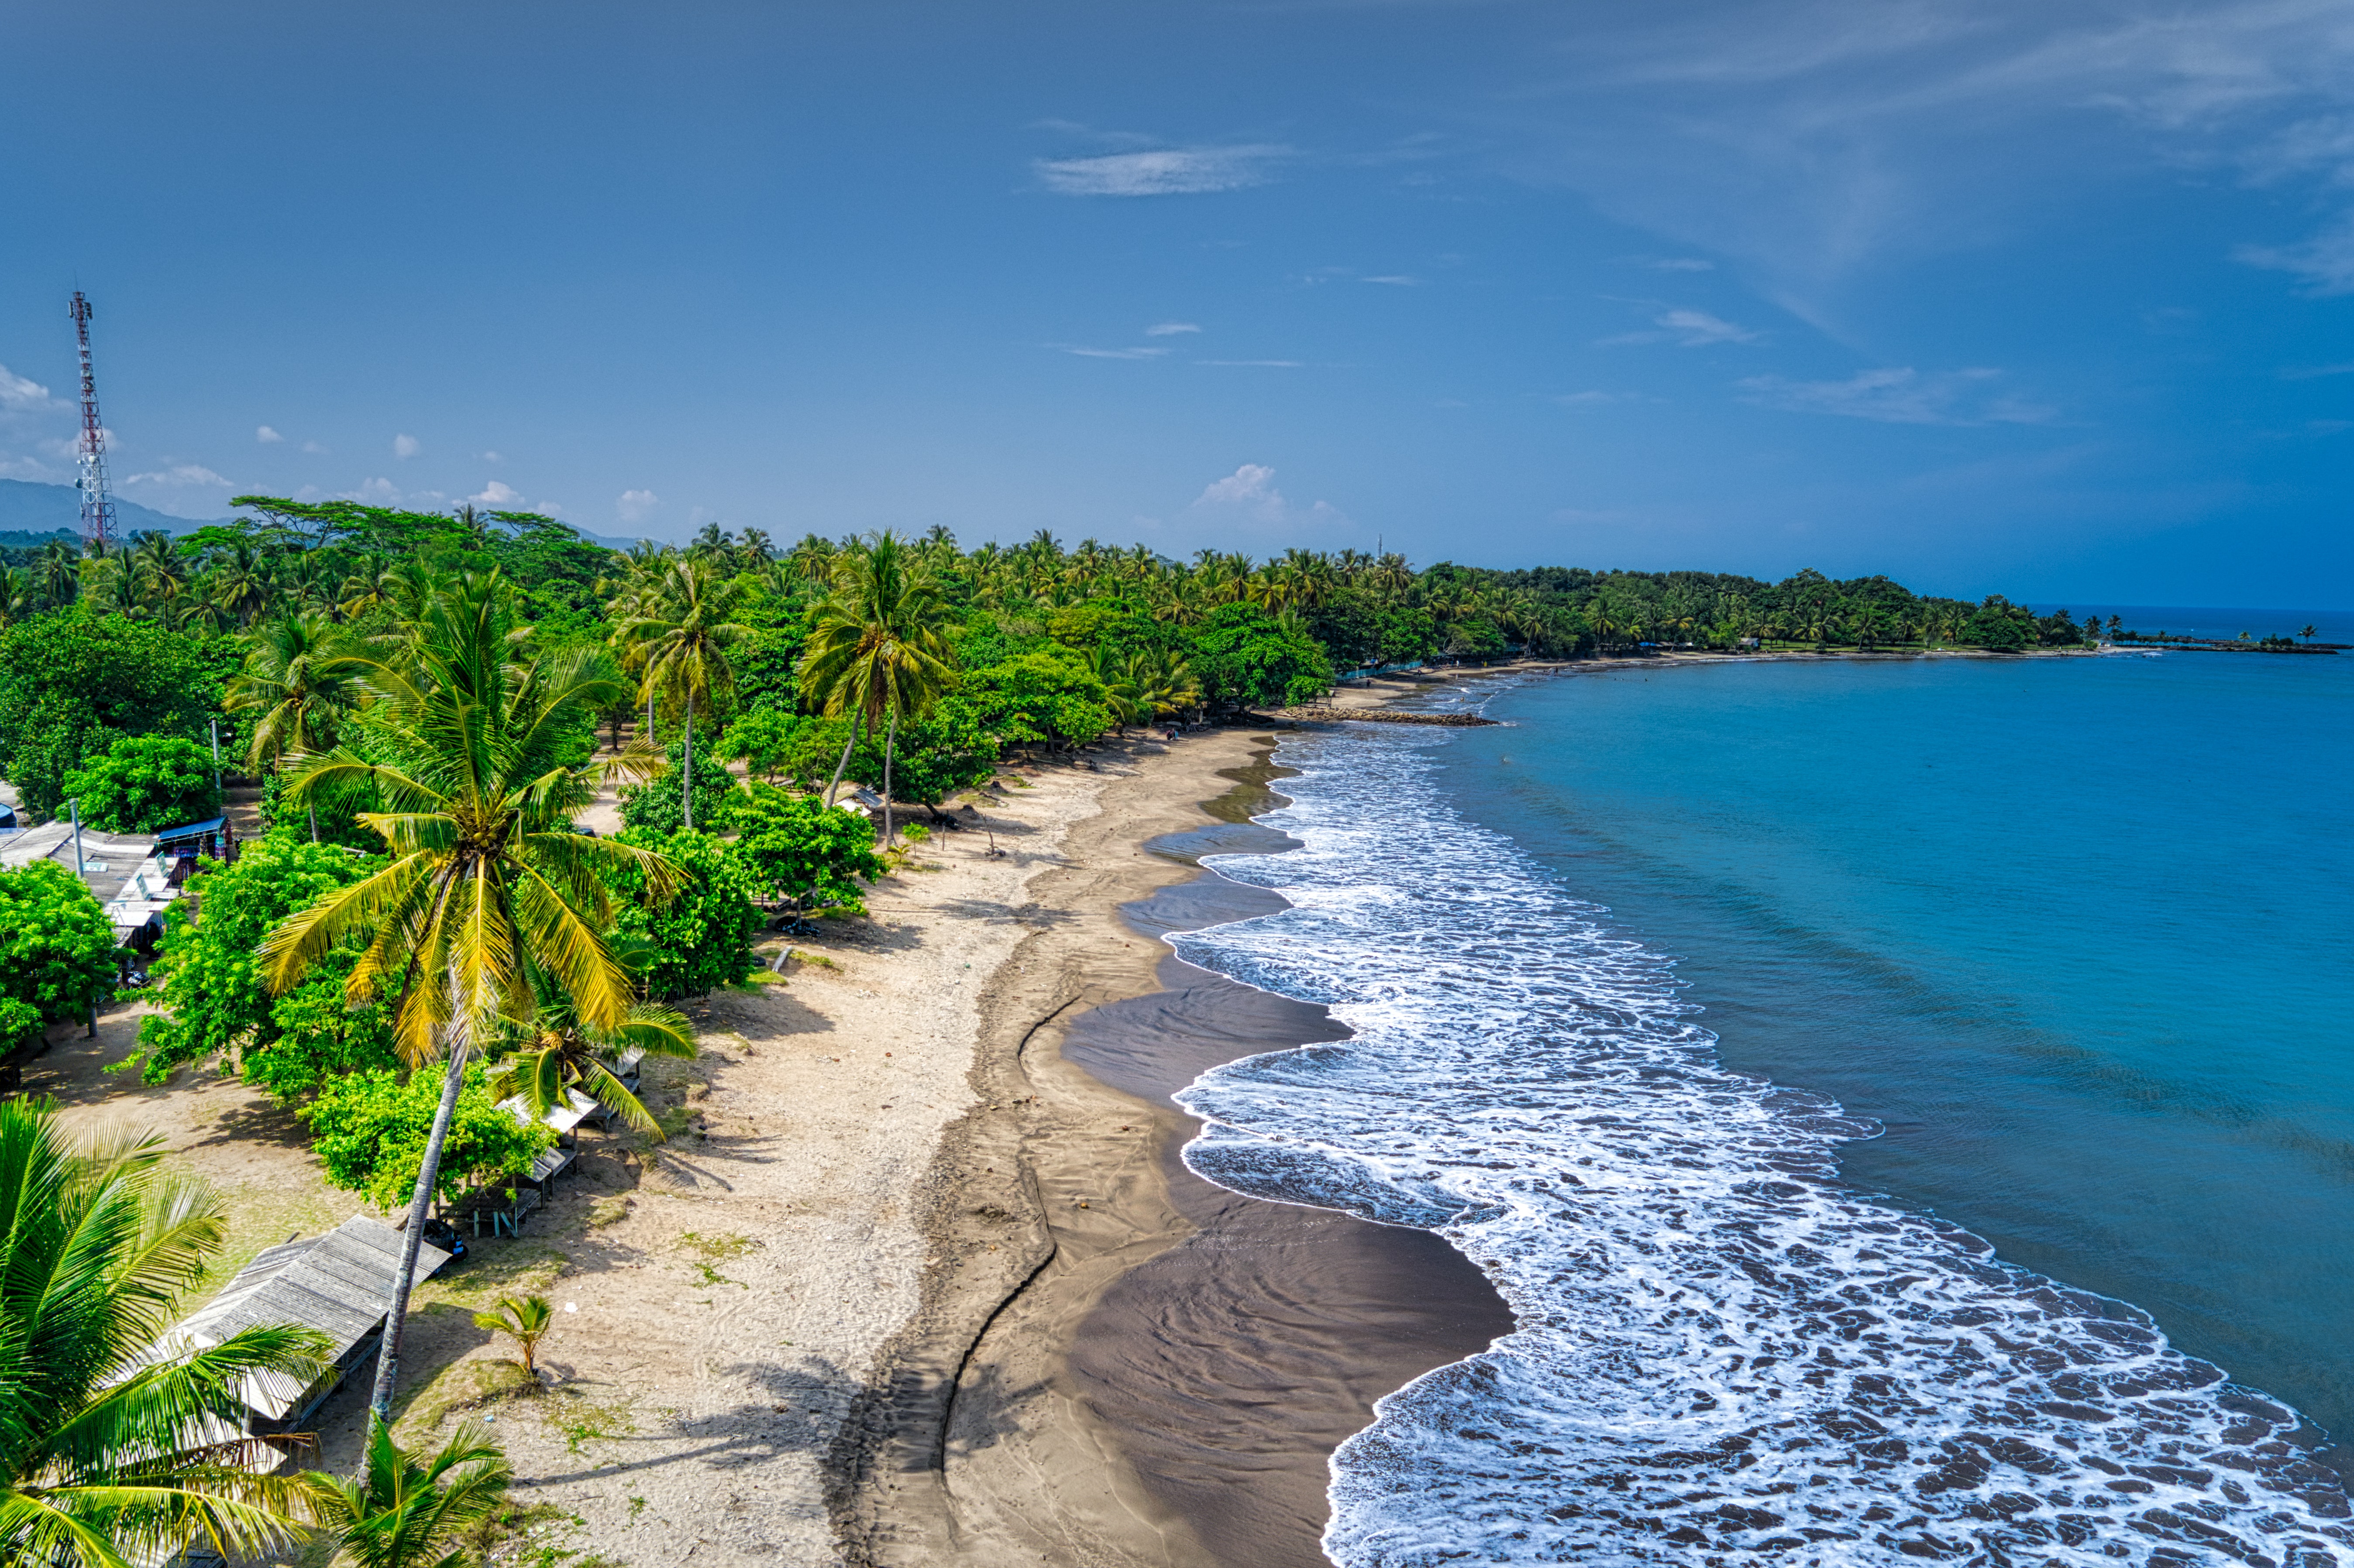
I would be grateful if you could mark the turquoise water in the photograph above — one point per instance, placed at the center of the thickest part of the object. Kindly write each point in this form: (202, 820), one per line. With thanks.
(2080, 933)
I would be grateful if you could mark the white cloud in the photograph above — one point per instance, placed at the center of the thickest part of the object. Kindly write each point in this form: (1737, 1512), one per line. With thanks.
(1171, 171)
(1396, 280)
(2325, 262)
(376, 491)
(635, 505)
(1577, 399)
(182, 474)
(1687, 329)
(405, 447)
(313, 447)
(22, 395)
(1170, 329)
(1116, 353)
(1900, 396)
(500, 495)
(267, 435)
(494, 457)
(1250, 491)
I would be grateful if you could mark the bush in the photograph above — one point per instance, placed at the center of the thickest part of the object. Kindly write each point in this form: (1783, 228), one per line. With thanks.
(1244, 657)
(797, 849)
(1047, 696)
(702, 940)
(214, 1002)
(57, 956)
(370, 1129)
(659, 804)
(71, 682)
(145, 782)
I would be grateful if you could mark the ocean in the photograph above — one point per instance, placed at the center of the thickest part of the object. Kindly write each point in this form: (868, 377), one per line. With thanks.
(1904, 1105)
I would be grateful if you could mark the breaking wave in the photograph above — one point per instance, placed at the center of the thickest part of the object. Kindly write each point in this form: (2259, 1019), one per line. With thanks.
(1723, 1354)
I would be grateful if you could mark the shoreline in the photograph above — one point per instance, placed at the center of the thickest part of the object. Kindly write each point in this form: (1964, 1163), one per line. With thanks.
(992, 1428)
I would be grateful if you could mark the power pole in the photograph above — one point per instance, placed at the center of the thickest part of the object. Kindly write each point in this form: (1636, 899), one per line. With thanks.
(96, 501)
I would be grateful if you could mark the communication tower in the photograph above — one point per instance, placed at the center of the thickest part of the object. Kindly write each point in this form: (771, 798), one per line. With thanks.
(96, 501)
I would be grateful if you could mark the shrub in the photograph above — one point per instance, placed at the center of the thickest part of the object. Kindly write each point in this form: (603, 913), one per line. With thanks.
(659, 804)
(143, 782)
(702, 940)
(1047, 696)
(798, 848)
(370, 1129)
(213, 999)
(1245, 656)
(57, 956)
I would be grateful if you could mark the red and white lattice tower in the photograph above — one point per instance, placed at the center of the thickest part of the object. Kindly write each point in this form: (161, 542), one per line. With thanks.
(96, 501)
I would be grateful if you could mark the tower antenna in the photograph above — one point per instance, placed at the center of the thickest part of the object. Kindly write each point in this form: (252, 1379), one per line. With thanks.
(96, 501)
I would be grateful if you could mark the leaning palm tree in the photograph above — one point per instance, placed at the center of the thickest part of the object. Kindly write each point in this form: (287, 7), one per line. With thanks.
(488, 886)
(558, 1050)
(119, 1444)
(877, 651)
(679, 641)
(401, 1511)
(297, 674)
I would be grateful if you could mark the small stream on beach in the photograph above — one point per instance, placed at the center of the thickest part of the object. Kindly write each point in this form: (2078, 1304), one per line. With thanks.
(1757, 1321)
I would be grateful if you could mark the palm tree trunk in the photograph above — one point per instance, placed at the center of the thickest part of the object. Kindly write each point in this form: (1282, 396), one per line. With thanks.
(429, 1174)
(686, 795)
(649, 716)
(842, 766)
(315, 825)
(890, 738)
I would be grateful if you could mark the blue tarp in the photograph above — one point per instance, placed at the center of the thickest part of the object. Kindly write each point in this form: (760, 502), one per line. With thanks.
(193, 830)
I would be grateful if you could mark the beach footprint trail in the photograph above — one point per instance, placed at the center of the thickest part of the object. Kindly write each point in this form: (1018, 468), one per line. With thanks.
(1722, 1355)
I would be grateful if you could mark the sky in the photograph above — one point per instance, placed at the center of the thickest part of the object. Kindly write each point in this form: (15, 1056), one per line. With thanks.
(2053, 299)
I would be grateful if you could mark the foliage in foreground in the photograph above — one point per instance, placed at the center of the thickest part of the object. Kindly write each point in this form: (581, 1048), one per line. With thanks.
(369, 1129)
(109, 1455)
(57, 950)
(559, 1051)
(215, 1001)
(406, 1510)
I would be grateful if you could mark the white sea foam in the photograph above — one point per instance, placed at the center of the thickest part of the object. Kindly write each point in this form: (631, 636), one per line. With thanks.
(1722, 1355)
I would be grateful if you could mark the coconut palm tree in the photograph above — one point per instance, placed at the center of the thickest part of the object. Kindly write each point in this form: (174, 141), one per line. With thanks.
(401, 1511)
(558, 1050)
(118, 1444)
(241, 582)
(159, 573)
(679, 641)
(489, 888)
(524, 1320)
(297, 674)
(369, 583)
(876, 650)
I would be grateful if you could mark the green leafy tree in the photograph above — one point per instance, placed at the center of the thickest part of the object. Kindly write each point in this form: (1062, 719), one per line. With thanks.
(71, 683)
(701, 937)
(371, 1131)
(1046, 696)
(57, 956)
(214, 994)
(403, 1511)
(680, 641)
(763, 738)
(659, 803)
(1245, 656)
(487, 884)
(801, 849)
(143, 782)
(878, 648)
(106, 1445)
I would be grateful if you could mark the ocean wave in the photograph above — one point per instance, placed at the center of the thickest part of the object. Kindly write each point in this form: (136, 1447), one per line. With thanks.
(1723, 1354)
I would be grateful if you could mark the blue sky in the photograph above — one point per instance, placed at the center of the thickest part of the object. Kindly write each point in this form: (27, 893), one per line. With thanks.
(2050, 299)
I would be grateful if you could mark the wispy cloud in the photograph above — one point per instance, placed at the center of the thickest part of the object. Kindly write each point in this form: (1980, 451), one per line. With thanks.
(1169, 171)
(1170, 329)
(1113, 353)
(636, 505)
(1250, 491)
(1397, 280)
(1261, 364)
(182, 476)
(405, 446)
(1684, 264)
(2325, 262)
(1901, 397)
(21, 394)
(2316, 371)
(266, 436)
(1687, 329)
(1589, 400)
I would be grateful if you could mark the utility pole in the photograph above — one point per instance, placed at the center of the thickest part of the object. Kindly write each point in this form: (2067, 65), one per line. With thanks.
(97, 502)
(74, 806)
(217, 783)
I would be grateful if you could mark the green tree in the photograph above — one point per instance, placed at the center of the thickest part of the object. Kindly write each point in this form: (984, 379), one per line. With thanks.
(297, 677)
(526, 1319)
(700, 939)
(800, 849)
(878, 647)
(372, 1131)
(558, 1051)
(401, 1512)
(1046, 696)
(213, 995)
(143, 782)
(1244, 656)
(487, 883)
(57, 956)
(679, 640)
(108, 1444)
(661, 802)
(71, 683)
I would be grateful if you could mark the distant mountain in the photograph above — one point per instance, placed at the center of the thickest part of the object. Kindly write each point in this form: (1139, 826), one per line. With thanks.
(29, 508)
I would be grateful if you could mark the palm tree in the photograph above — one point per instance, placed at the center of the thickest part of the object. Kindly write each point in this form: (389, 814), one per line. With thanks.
(157, 570)
(681, 642)
(488, 892)
(241, 582)
(370, 583)
(1164, 682)
(2307, 633)
(299, 674)
(559, 1049)
(20, 596)
(523, 1320)
(60, 567)
(119, 1444)
(399, 1512)
(876, 650)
